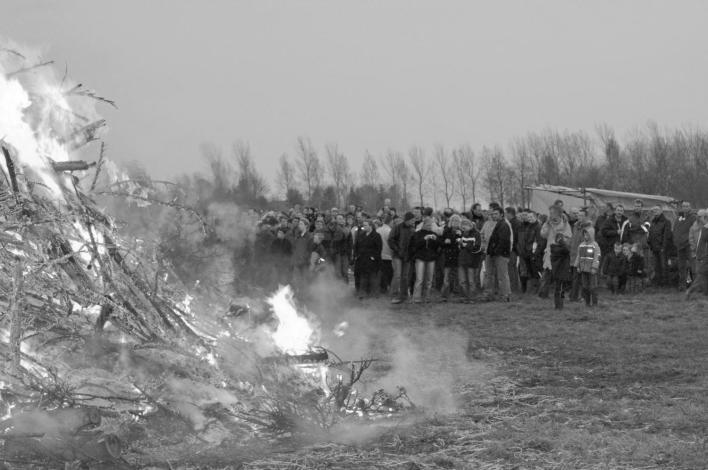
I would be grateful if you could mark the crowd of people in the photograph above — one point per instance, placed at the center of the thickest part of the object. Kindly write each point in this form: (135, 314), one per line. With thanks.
(487, 254)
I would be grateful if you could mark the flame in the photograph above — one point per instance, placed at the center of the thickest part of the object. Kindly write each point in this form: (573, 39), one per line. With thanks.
(294, 334)
(33, 146)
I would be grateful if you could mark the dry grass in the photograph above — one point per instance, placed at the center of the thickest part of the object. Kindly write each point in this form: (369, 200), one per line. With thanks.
(619, 386)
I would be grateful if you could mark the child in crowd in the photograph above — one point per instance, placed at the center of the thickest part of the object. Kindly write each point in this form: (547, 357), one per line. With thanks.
(560, 269)
(616, 269)
(635, 268)
(587, 263)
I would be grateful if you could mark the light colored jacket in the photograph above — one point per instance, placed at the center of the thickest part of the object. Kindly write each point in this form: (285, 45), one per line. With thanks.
(549, 232)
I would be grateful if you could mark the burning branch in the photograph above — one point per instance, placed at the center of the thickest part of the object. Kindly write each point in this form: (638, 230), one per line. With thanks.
(16, 317)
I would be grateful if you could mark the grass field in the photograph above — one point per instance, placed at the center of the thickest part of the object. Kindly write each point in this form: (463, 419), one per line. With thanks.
(619, 386)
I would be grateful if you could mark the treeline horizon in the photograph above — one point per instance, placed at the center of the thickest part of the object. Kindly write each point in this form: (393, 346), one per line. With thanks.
(650, 160)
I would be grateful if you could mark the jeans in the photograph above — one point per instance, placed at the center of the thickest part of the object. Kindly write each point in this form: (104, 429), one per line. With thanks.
(514, 280)
(424, 271)
(684, 267)
(469, 280)
(386, 274)
(700, 284)
(399, 283)
(660, 268)
(574, 284)
(496, 278)
(448, 281)
(588, 282)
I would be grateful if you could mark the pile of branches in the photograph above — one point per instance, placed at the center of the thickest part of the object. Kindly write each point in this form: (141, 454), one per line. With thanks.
(103, 357)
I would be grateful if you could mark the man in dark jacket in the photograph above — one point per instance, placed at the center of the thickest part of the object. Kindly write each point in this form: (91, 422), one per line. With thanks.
(659, 240)
(367, 255)
(612, 228)
(681, 233)
(340, 247)
(498, 252)
(399, 242)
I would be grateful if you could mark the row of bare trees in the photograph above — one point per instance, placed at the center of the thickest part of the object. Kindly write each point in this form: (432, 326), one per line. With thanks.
(650, 159)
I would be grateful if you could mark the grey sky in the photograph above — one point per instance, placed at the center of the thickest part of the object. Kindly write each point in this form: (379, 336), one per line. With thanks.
(369, 74)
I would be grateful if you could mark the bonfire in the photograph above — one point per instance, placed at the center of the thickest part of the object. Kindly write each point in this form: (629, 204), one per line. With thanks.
(105, 362)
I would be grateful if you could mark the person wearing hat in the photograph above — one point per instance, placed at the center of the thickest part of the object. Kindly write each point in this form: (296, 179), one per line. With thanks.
(399, 242)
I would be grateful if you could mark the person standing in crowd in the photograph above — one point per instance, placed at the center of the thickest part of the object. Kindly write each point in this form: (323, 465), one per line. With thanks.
(681, 239)
(282, 251)
(607, 214)
(635, 230)
(302, 247)
(469, 259)
(556, 223)
(693, 234)
(497, 260)
(386, 253)
(367, 259)
(660, 244)
(515, 224)
(451, 250)
(612, 228)
(616, 268)
(635, 268)
(700, 284)
(581, 223)
(477, 216)
(587, 262)
(400, 243)
(560, 273)
(339, 246)
(527, 246)
(426, 246)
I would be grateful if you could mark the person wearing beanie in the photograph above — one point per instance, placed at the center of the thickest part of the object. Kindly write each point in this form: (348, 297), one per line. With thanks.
(399, 242)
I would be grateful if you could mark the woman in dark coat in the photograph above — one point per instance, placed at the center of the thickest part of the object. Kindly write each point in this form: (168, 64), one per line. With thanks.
(560, 269)
(367, 254)
(470, 258)
(425, 245)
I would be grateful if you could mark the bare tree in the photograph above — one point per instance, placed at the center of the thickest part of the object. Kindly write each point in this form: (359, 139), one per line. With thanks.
(496, 173)
(404, 177)
(223, 173)
(251, 185)
(417, 161)
(286, 174)
(369, 171)
(466, 173)
(338, 167)
(446, 171)
(521, 160)
(309, 166)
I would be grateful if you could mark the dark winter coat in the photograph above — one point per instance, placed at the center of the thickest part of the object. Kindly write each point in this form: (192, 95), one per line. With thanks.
(616, 264)
(478, 220)
(528, 235)
(400, 241)
(611, 230)
(635, 265)
(471, 254)
(367, 251)
(682, 230)
(425, 250)
(659, 238)
(282, 249)
(500, 240)
(302, 247)
(634, 231)
(516, 226)
(451, 249)
(339, 239)
(560, 263)
(600, 238)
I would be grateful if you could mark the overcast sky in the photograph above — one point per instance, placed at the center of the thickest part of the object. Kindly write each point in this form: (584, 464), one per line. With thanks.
(369, 74)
